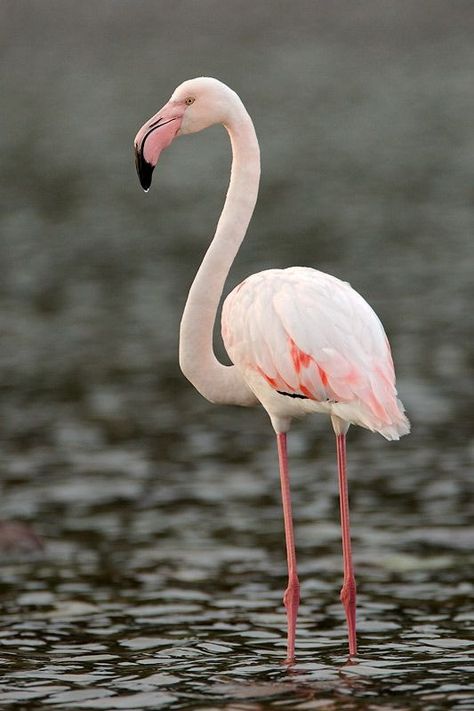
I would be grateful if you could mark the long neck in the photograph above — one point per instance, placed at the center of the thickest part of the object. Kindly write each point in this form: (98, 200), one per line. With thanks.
(215, 381)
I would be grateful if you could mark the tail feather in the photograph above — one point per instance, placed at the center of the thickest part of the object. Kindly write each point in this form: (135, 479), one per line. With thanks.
(358, 413)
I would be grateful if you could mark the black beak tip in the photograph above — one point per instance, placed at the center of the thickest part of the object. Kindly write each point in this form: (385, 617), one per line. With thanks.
(144, 170)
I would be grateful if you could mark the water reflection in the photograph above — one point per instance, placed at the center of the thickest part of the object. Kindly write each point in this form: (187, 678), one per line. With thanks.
(170, 598)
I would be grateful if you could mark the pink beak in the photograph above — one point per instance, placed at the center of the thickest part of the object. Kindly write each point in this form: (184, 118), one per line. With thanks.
(153, 137)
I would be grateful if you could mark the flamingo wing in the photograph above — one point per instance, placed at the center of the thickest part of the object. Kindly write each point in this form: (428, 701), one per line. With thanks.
(311, 336)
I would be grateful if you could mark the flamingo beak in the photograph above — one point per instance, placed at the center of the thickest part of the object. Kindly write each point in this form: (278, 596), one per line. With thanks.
(153, 137)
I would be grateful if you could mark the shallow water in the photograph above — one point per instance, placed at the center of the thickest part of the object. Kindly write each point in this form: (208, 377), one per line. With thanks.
(160, 581)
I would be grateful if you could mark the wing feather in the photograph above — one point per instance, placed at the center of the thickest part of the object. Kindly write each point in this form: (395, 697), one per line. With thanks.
(311, 334)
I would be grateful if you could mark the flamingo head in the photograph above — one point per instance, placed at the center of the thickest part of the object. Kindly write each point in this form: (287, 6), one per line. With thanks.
(194, 105)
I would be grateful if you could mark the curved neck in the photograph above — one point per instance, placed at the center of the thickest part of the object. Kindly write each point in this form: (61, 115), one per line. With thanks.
(215, 381)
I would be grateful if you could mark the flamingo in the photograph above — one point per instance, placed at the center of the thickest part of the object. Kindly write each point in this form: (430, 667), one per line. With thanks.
(300, 341)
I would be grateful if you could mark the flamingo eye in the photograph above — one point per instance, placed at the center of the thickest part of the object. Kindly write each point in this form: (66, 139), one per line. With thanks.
(190, 100)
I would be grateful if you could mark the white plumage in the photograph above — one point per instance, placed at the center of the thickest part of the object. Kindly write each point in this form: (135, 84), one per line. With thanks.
(311, 336)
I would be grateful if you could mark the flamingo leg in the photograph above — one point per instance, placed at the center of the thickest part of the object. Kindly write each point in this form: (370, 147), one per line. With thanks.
(348, 591)
(291, 598)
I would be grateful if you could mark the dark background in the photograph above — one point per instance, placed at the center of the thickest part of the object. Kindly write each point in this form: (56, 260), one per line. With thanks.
(143, 492)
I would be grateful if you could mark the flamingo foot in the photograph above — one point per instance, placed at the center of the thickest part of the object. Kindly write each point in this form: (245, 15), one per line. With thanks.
(291, 600)
(348, 599)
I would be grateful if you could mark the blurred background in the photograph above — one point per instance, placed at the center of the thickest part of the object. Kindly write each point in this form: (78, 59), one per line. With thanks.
(160, 513)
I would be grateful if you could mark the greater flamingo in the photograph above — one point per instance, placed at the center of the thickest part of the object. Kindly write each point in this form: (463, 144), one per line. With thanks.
(300, 340)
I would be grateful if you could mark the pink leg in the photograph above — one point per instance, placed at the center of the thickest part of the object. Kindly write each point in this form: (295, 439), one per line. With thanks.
(348, 592)
(291, 597)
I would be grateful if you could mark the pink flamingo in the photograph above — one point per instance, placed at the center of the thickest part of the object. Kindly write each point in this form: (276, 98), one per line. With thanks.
(300, 341)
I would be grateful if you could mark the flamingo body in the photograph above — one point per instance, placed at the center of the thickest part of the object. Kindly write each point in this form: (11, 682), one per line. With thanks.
(300, 341)
(307, 342)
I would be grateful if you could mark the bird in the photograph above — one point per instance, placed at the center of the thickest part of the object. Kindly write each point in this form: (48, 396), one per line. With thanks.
(300, 341)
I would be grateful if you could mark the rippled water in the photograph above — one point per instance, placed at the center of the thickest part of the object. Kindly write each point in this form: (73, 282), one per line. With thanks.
(160, 579)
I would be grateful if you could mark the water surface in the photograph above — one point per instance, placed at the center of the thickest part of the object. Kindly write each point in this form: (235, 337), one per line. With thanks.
(160, 581)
